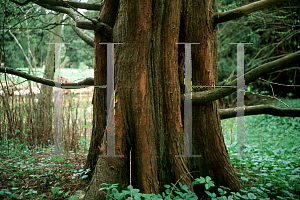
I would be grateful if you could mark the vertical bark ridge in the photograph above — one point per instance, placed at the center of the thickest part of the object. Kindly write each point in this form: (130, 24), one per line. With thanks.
(207, 133)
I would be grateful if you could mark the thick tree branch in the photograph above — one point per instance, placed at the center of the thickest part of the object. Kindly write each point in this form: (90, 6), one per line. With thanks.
(224, 113)
(60, 9)
(242, 11)
(198, 97)
(19, 3)
(214, 94)
(102, 28)
(83, 36)
(81, 5)
(261, 109)
(84, 83)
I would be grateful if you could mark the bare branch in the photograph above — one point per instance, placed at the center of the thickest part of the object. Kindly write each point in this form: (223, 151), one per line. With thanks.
(19, 3)
(59, 9)
(85, 83)
(205, 96)
(261, 109)
(242, 11)
(22, 50)
(102, 28)
(75, 10)
(211, 95)
(267, 96)
(81, 5)
(83, 36)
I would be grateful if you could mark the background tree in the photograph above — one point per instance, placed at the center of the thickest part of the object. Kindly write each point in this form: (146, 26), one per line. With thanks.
(31, 26)
(46, 94)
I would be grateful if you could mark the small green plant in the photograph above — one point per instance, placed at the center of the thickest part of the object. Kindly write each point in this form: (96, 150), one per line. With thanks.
(57, 159)
(207, 181)
(222, 190)
(56, 190)
(83, 173)
(178, 193)
(74, 197)
(170, 193)
(30, 192)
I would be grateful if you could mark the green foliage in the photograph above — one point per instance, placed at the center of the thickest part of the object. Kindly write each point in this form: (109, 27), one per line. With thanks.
(174, 192)
(273, 170)
(83, 174)
(56, 191)
(207, 181)
(73, 197)
(57, 159)
(17, 164)
(171, 191)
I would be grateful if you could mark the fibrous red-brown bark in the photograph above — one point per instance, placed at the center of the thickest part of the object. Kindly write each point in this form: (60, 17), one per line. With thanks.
(208, 140)
(148, 85)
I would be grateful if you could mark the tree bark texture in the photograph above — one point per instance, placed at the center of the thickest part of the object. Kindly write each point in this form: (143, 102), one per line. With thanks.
(149, 68)
(108, 14)
(208, 140)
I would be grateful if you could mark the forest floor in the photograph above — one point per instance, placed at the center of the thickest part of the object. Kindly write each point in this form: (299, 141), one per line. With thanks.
(40, 175)
(271, 172)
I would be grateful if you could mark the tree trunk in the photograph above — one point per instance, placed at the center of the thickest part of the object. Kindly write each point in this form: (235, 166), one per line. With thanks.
(208, 139)
(46, 93)
(107, 15)
(148, 83)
